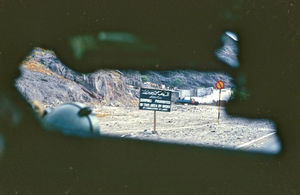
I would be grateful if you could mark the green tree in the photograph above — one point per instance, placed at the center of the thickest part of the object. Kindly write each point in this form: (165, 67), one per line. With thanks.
(145, 79)
(176, 83)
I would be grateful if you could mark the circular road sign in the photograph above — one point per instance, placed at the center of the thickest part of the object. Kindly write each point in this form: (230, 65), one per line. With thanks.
(220, 85)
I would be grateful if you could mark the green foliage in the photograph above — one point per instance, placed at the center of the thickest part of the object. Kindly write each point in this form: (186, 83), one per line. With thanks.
(145, 79)
(176, 83)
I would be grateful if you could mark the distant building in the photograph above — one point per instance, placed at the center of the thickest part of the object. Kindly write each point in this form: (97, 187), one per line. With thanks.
(204, 91)
(184, 93)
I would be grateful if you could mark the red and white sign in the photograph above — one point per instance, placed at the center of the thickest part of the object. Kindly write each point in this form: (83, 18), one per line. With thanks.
(220, 85)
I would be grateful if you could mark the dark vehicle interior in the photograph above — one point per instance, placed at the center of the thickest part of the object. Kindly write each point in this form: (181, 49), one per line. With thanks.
(173, 35)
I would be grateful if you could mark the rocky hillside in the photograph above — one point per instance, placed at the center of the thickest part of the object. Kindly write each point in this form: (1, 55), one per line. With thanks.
(188, 79)
(46, 79)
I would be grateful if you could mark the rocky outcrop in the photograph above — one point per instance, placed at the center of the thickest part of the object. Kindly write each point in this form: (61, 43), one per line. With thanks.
(50, 89)
(111, 85)
(46, 79)
(133, 77)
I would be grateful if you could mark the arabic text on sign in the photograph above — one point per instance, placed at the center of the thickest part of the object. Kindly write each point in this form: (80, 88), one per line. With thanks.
(158, 93)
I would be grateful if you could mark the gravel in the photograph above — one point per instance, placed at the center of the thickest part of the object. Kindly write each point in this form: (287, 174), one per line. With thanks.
(185, 124)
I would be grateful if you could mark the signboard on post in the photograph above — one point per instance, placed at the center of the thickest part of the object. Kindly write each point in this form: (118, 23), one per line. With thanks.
(219, 85)
(155, 99)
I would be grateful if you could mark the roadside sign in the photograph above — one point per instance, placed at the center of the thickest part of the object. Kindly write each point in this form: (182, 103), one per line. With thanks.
(220, 84)
(155, 100)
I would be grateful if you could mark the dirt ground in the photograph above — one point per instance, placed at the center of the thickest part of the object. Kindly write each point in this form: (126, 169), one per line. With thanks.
(186, 124)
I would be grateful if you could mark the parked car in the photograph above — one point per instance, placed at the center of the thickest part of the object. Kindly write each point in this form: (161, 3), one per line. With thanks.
(187, 100)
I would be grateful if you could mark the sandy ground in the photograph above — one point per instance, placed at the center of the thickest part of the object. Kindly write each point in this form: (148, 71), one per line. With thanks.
(187, 124)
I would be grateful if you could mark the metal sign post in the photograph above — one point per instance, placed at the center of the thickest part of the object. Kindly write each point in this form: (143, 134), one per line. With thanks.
(220, 86)
(219, 107)
(156, 100)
